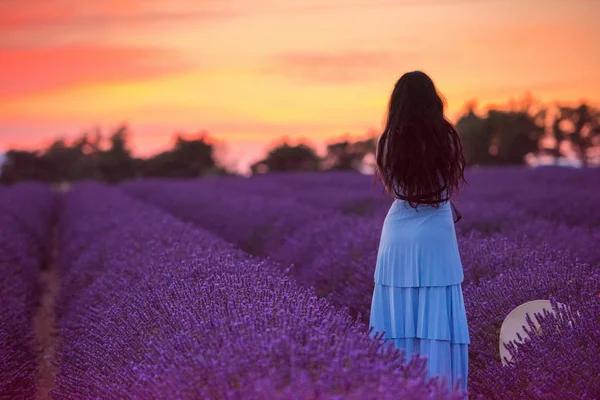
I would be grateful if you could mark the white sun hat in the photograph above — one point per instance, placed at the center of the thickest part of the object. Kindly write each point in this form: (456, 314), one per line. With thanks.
(517, 319)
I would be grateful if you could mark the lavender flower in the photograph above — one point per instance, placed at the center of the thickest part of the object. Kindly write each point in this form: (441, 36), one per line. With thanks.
(26, 217)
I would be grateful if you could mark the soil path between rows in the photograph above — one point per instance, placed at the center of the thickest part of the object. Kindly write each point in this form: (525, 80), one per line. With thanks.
(44, 325)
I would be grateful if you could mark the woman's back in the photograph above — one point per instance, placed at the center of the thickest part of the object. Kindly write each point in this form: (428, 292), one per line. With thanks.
(418, 247)
(417, 300)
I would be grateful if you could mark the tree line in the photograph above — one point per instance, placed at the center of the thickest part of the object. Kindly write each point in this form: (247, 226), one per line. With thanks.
(507, 136)
(109, 159)
(500, 136)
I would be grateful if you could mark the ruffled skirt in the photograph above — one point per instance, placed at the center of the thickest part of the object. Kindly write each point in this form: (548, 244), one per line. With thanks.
(418, 301)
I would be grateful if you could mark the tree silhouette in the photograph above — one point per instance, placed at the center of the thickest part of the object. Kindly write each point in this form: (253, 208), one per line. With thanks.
(116, 163)
(348, 155)
(501, 137)
(580, 126)
(86, 158)
(513, 135)
(21, 165)
(187, 159)
(475, 138)
(70, 162)
(559, 137)
(288, 158)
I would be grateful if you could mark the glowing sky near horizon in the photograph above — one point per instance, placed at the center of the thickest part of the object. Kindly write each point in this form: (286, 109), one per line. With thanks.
(252, 71)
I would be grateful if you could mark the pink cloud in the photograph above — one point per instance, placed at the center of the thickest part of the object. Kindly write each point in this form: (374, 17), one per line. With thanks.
(340, 68)
(25, 71)
(18, 15)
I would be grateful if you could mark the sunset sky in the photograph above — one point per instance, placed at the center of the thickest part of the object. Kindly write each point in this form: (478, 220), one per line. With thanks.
(253, 71)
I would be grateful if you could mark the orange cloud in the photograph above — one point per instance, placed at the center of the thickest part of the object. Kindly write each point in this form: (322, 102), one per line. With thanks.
(24, 71)
(340, 68)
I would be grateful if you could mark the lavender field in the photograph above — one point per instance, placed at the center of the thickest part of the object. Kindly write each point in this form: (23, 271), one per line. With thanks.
(260, 288)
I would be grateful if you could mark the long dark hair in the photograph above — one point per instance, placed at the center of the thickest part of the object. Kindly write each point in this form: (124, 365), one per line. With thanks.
(419, 155)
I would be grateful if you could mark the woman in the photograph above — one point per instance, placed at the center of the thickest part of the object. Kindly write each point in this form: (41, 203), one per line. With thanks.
(418, 301)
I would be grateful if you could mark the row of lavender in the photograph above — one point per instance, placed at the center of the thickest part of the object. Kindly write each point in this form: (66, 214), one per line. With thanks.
(554, 194)
(335, 253)
(152, 307)
(546, 205)
(26, 220)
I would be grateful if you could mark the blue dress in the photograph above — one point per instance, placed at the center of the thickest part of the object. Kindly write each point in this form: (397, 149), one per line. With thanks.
(418, 300)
